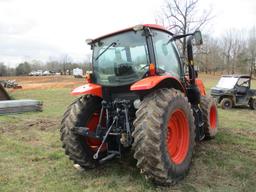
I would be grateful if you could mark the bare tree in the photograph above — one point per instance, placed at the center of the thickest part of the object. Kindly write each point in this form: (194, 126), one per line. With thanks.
(227, 46)
(3, 69)
(233, 47)
(182, 17)
(65, 61)
(36, 65)
(209, 56)
(252, 50)
(88, 62)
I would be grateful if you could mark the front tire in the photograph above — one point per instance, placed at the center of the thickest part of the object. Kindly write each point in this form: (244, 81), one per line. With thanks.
(83, 112)
(226, 103)
(164, 136)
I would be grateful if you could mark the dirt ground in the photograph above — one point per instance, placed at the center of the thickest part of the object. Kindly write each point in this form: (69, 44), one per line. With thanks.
(32, 158)
(45, 82)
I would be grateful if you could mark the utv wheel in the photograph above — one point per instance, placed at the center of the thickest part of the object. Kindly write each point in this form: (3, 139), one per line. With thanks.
(84, 112)
(226, 103)
(210, 116)
(164, 136)
(253, 104)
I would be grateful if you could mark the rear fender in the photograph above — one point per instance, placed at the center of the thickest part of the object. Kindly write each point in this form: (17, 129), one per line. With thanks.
(154, 82)
(88, 89)
(201, 87)
(230, 96)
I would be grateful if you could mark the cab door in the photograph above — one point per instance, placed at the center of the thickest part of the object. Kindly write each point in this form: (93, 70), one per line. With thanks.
(166, 55)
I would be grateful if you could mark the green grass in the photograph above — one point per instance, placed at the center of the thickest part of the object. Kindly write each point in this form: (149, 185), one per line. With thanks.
(31, 158)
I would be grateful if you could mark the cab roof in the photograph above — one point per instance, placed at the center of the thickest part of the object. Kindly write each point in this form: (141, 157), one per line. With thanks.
(237, 76)
(152, 26)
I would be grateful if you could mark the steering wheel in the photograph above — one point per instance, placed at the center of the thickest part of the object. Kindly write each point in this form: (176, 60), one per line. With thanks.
(141, 66)
(123, 68)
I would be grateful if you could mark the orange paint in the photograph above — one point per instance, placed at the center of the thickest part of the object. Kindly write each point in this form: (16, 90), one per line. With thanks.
(152, 69)
(178, 136)
(88, 89)
(88, 78)
(152, 81)
(92, 125)
(200, 85)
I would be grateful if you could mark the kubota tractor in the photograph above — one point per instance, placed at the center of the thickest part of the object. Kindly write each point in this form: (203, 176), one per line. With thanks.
(138, 96)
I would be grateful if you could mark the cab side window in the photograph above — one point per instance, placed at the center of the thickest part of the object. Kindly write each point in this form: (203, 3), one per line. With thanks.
(244, 82)
(167, 60)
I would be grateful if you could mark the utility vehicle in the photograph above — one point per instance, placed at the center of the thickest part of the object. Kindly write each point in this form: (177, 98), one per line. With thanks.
(138, 97)
(234, 90)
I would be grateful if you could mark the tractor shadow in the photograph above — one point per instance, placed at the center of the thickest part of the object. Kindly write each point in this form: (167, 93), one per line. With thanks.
(244, 108)
(123, 168)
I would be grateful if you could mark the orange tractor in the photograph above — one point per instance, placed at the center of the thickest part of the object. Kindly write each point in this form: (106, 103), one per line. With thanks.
(138, 97)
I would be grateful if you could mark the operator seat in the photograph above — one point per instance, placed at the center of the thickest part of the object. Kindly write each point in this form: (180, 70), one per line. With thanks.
(241, 90)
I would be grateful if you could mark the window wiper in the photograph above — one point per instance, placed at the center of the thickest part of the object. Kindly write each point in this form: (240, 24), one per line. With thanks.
(112, 44)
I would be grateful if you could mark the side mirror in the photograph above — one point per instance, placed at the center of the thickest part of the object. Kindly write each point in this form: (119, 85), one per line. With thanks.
(89, 41)
(198, 38)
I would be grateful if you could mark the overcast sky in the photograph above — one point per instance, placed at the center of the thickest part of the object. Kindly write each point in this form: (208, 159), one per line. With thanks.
(43, 29)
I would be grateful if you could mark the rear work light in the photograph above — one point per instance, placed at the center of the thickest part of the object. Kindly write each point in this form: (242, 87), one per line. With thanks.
(88, 77)
(152, 69)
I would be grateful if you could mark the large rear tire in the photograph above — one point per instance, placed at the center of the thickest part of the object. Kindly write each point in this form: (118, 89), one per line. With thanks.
(82, 112)
(164, 136)
(210, 116)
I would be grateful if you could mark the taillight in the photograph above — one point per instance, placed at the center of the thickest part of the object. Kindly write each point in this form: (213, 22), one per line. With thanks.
(88, 77)
(152, 69)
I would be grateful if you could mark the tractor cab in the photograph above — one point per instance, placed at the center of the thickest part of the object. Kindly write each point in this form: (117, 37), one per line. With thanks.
(126, 57)
(233, 90)
(134, 61)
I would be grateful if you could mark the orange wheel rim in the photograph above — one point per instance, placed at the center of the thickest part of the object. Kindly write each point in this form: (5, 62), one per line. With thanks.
(178, 136)
(213, 117)
(92, 125)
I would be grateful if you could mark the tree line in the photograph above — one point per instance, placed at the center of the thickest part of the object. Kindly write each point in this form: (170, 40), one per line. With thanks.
(234, 52)
(64, 66)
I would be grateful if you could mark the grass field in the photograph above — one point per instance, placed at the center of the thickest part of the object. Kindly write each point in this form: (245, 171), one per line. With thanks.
(31, 157)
